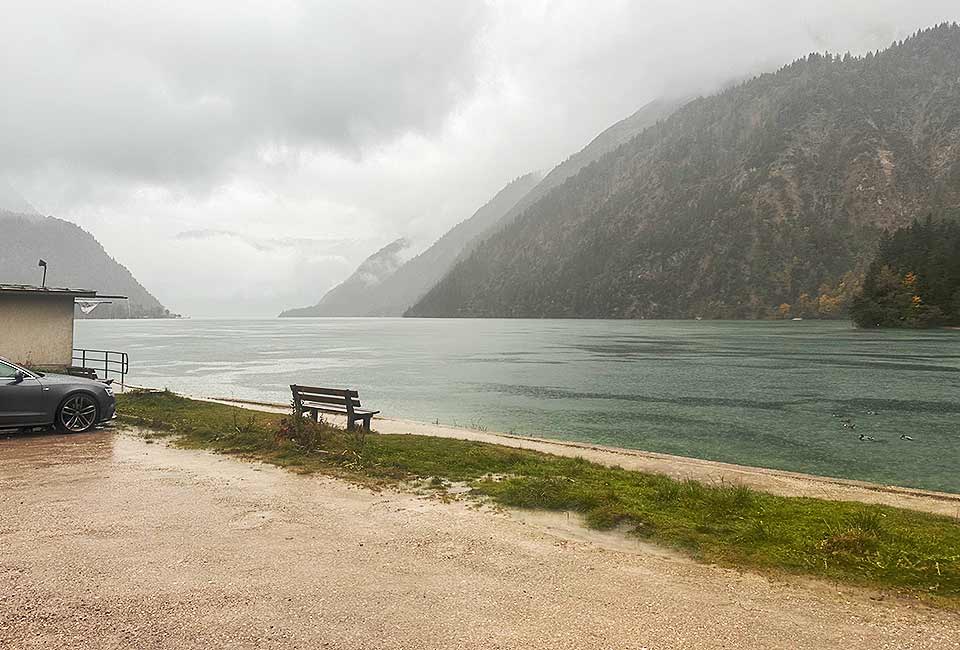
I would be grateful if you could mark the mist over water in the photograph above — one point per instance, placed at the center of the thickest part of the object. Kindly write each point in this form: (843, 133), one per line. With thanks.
(769, 394)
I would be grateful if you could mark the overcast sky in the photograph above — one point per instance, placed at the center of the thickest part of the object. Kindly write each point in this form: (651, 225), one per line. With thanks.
(242, 157)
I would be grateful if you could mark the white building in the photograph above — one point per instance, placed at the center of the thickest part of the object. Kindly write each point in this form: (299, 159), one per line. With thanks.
(36, 324)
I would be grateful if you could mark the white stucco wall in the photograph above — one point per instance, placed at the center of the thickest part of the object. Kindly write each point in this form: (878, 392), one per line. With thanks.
(36, 330)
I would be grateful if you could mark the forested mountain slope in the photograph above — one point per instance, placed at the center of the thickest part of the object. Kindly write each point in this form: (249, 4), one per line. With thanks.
(614, 136)
(76, 260)
(767, 199)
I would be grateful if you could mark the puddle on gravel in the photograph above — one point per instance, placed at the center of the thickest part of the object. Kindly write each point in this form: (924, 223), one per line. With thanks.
(108, 447)
(46, 449)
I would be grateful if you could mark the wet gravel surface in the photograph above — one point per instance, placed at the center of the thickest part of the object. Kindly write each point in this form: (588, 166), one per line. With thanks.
(109, 542)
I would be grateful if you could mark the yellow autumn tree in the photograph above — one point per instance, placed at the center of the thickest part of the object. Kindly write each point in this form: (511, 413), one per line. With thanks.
(829, 305)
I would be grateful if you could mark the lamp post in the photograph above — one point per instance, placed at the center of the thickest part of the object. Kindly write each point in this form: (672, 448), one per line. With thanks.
(43, 263)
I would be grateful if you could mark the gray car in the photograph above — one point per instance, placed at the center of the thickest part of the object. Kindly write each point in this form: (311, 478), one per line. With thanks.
(36, 399)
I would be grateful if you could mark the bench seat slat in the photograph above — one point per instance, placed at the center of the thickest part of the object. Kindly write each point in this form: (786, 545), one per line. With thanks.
(333, 408)
(328, 400)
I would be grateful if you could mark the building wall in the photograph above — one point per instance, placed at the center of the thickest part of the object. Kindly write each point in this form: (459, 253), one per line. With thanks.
(36, 330)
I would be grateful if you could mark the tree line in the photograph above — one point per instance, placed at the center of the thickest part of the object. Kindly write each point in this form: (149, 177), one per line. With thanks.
(914, 281)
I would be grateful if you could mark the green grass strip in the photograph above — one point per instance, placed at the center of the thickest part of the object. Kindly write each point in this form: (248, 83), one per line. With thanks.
(898, 550)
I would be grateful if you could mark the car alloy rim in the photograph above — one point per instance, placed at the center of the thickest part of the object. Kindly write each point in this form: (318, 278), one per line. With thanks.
(78, 413)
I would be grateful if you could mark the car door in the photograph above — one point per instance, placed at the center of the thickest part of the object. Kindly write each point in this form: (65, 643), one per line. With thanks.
(21, 402)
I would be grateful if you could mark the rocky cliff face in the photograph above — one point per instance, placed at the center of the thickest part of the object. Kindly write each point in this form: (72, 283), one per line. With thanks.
(764, 200)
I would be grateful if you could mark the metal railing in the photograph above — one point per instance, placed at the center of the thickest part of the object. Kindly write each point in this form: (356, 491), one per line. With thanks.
(109, 362)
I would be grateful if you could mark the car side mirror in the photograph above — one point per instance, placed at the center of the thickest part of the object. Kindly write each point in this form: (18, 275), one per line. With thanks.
(19, 376)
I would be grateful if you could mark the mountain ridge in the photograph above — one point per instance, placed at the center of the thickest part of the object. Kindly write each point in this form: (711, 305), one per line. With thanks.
(417, 276)
(76, 260)
(761, 201)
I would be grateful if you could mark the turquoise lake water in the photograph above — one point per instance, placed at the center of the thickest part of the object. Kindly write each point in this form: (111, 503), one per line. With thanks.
(769, 394)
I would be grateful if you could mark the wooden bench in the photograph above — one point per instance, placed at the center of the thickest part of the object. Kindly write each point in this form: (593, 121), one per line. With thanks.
(338, 401)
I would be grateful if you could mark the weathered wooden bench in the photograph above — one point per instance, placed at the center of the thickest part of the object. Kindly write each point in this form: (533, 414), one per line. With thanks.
(337, 401)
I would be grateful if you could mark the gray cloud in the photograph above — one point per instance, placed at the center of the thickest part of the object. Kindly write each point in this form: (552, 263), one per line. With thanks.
(266, 244)
(241, 158)
(169, 92)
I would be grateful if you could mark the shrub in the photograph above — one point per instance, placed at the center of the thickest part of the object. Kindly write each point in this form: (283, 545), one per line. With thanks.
(302, 433)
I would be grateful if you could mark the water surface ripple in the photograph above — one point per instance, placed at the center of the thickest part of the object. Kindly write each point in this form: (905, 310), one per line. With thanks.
(765, 394)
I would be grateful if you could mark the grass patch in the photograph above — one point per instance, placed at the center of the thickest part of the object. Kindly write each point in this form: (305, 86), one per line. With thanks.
(894, 549)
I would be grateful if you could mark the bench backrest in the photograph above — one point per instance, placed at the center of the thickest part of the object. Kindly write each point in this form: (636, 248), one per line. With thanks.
(350, 399)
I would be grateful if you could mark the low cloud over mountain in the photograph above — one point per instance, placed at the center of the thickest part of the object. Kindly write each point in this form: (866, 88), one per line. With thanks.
(351, 122)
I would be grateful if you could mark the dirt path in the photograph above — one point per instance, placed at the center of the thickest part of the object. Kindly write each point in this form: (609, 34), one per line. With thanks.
(109, 542)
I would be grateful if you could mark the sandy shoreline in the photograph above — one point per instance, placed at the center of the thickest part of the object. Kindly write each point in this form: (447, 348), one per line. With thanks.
(781, 482)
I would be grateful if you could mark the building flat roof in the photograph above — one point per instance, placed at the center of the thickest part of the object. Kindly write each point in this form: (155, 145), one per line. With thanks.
(49, 291)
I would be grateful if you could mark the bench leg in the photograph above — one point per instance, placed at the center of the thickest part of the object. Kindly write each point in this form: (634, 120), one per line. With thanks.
(350, 424)
(366, 423)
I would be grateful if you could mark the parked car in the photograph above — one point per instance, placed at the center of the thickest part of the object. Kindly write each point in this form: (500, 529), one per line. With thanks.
(35, 399)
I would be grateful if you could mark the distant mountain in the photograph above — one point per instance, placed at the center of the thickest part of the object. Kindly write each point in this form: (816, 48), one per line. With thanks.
(350, 296)
(395, 292)
(762, 201)
(75, 259)
(412, 280)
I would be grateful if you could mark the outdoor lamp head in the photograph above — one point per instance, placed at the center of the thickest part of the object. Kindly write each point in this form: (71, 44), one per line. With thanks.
(43, 263)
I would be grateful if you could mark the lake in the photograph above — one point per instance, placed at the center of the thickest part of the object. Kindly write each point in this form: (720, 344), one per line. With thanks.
(769, 394)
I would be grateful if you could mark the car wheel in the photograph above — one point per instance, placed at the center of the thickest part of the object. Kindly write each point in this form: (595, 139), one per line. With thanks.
(77, 414)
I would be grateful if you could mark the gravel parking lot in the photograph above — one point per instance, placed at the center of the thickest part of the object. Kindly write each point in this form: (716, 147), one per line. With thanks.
(109, 542)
